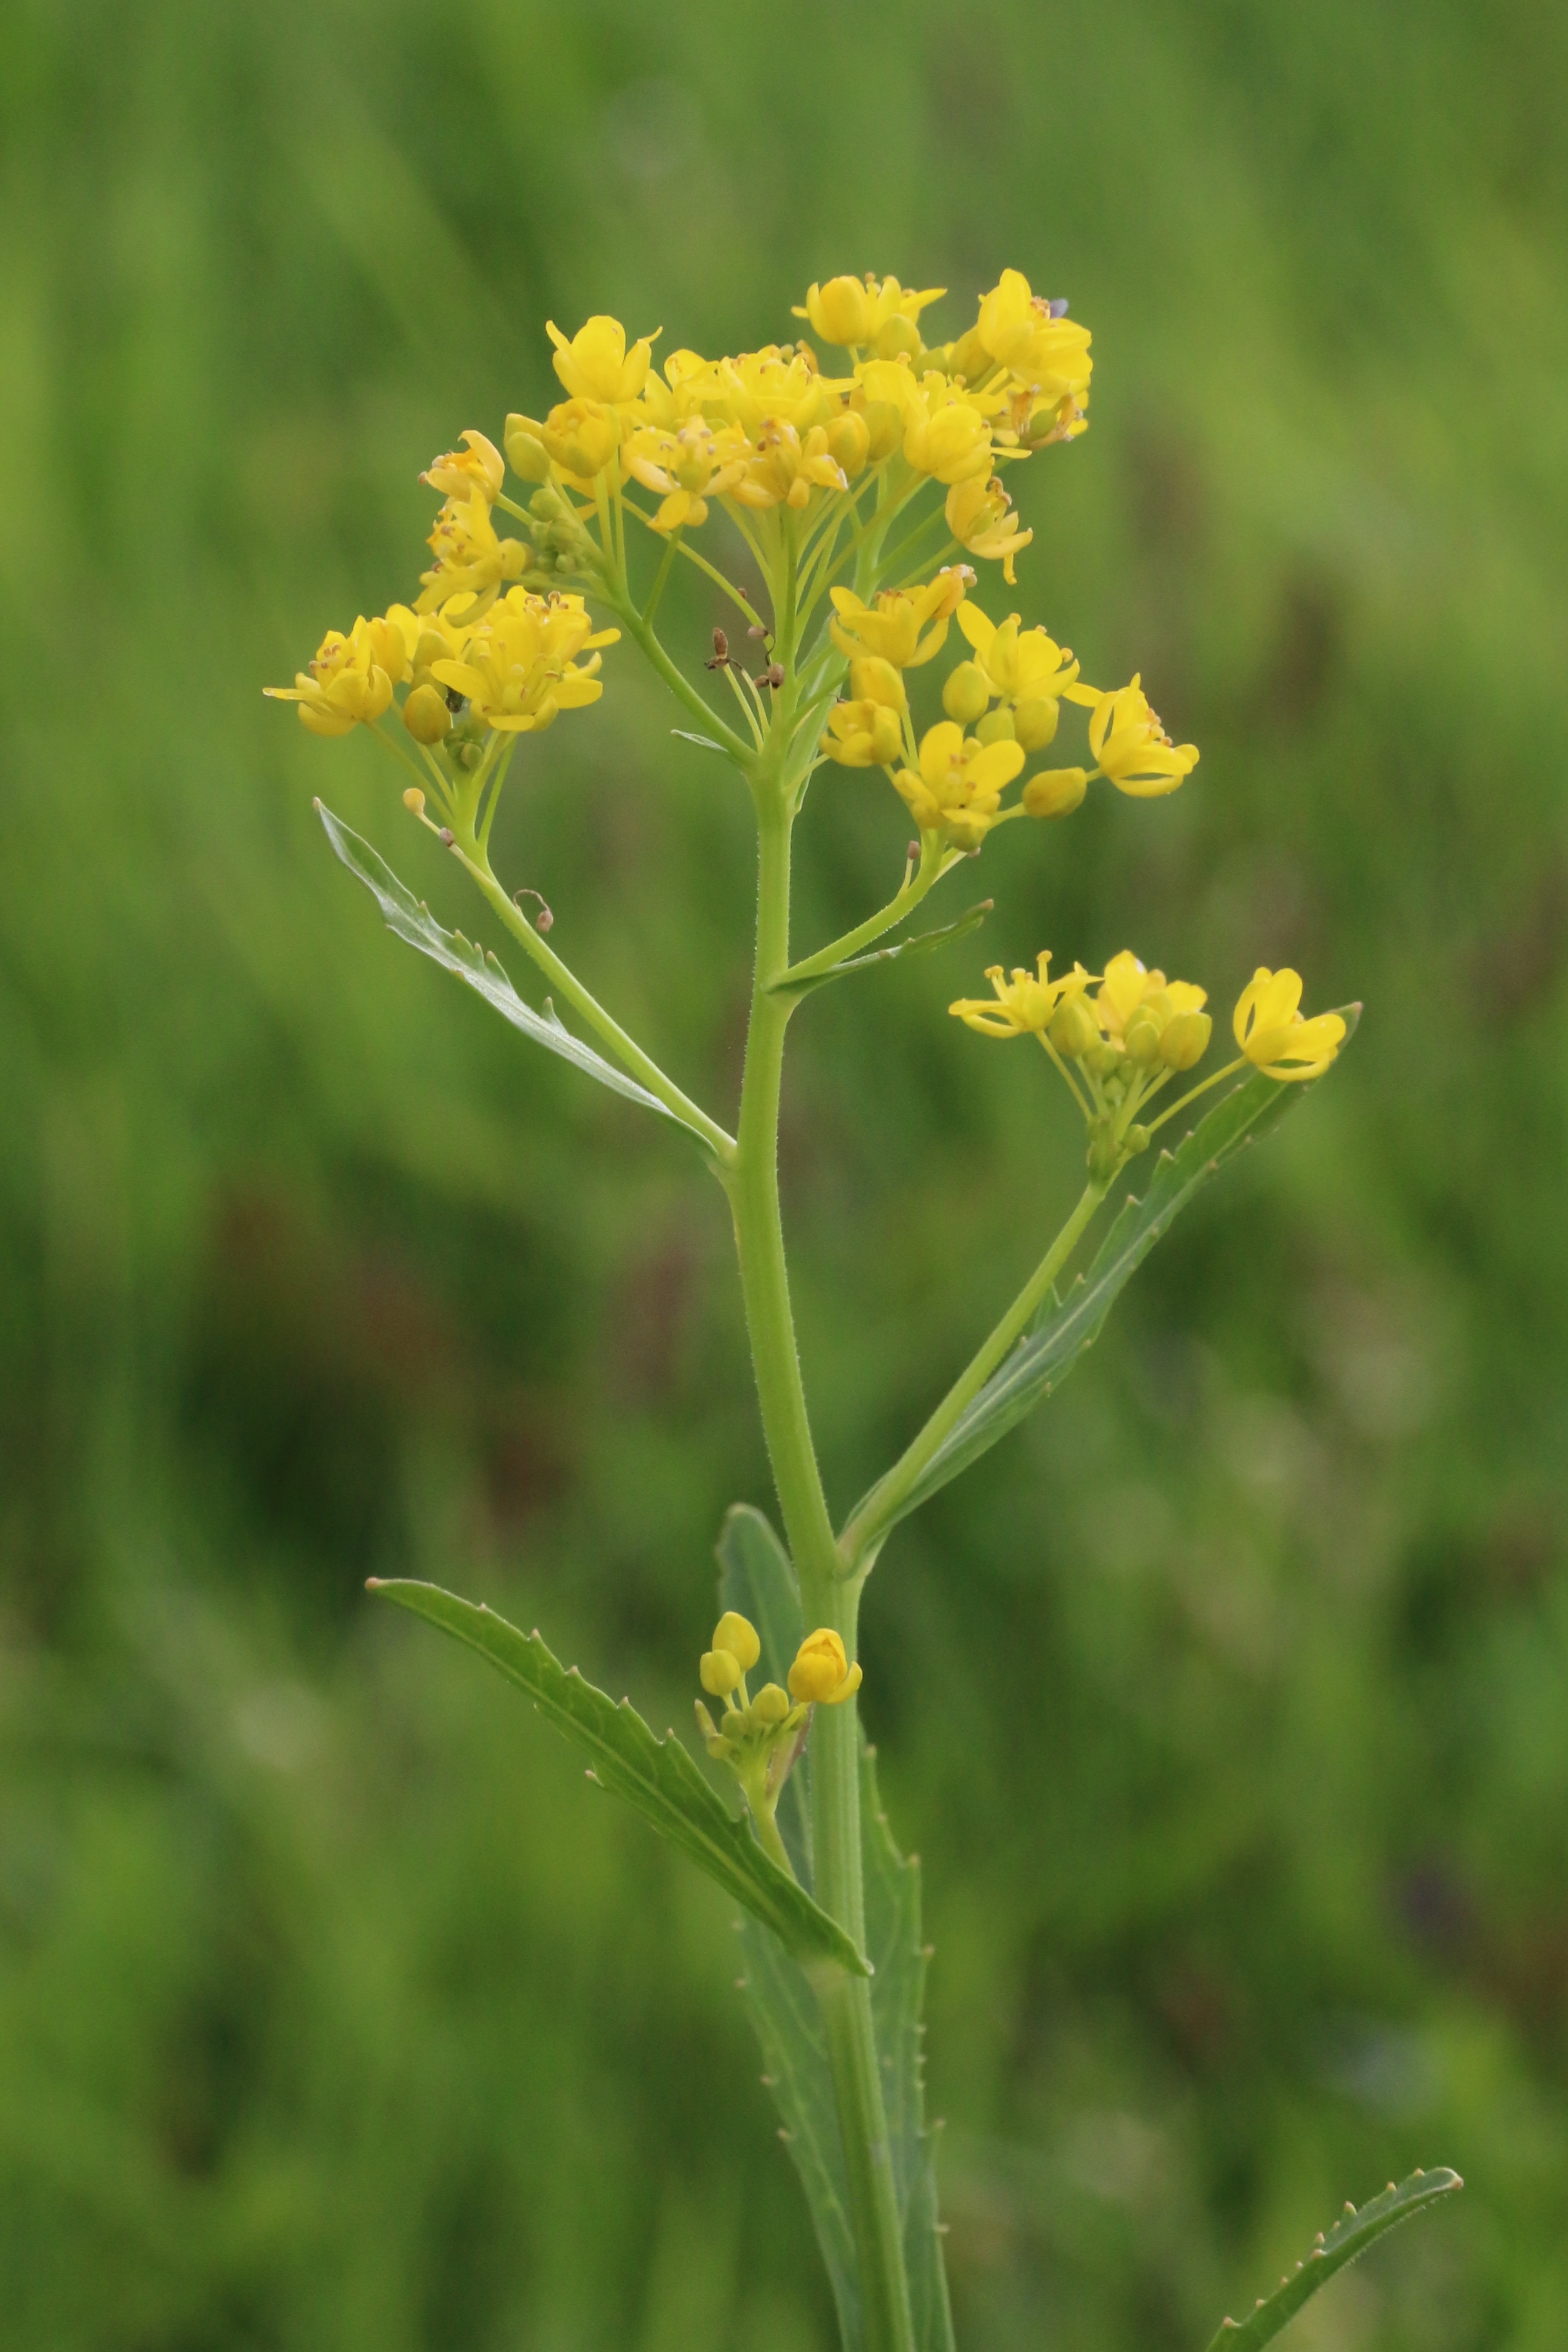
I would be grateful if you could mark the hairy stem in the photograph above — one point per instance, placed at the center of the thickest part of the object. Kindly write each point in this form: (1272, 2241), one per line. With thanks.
(881, 1506)
(828, 1596)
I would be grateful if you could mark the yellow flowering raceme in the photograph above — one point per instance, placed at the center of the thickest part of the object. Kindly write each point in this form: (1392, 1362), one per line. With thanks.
(904, 627)
(1150, 1019)
(518, 668)
(350, 683)
(958, 787)
(596, 364)
(1274, 1036)
(947, 435)
(1024, 1004)
(867, 730)
(1132, 748)
(822, 1674)
(1026, 670)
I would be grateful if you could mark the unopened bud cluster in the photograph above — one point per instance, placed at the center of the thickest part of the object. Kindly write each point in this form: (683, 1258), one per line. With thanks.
(760, 1736)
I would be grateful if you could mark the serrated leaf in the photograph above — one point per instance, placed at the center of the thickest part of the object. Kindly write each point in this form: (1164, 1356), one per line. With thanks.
(921, 944)
(758, 1578)
(412, 920)
(1047, 1353)
(1345, 2243)
(657, 1777)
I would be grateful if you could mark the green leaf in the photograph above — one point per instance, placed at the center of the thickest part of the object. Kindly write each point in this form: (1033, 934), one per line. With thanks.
(657, 1777)
(1349, 2238)
(1047, 1353)
(412, 920)
(759, 1579)
(921, 944)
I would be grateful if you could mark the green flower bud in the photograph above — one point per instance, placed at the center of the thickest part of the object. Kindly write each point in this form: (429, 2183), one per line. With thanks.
(772, 1705)
(526, 453)
(997, 728)
(1074, 1031)
(426, 714)
(1141, 1041)
(966, 697)
(1186, 1040)
(1035, 722)
(1136, 1140)
(1055, 791)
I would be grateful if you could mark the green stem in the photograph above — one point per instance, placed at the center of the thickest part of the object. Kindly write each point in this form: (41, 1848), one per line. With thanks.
(931, 870)
(882, 1506)
(566, 984)
(827, 1596)
(743, 753)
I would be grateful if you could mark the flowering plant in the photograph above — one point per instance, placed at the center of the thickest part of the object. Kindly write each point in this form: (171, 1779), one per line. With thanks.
(823, 462)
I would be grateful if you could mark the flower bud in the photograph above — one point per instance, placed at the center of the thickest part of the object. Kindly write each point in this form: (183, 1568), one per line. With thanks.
(1074, 1031)
(884, 429)
(706, 1727)
(1141, 1041)
(772, 1705)
(526, 452)
(898, 338)
(969, 358)
(1055, 791)
(966, 697)
(737, 1634)
(413, 800)
(1186, 1040)
(872, 679)
(821, 1672)
(849, 442)
(583, 437)
(718, 1672)
(1035, 722)
(732, 1726)
(997, 727)
(842, 311)
(1136, 1140)
(426, 716)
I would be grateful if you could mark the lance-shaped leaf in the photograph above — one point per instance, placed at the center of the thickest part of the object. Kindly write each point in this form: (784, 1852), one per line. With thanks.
(657, 1777)
(1349, 2238)
(920, 944)
(412, 920)
(1064, 1328)
(759, 1579)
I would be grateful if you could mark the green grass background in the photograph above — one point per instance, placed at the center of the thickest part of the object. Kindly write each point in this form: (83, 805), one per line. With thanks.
(1227, 1704)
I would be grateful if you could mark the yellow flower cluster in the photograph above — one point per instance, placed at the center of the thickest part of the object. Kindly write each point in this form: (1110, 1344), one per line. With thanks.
(1010, 693)
(1139, 1030)
(512, 669)
(760, 1738)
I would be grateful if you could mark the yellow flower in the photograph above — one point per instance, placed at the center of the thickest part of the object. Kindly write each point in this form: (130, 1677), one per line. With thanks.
(463, 472)
(822, 1674)
(470, 561)
(350, 683)
(783, 470)
(893, 626)
(946, 436)
(1273, 1035)
(1024, 1005)
(860, 310)
(519, 667)
(581, 437)
(1029, 668)
(687, 468)
(1132, 748)
(596, 364)
(1047, 353)
(979, 519)
(1152, 1019)
(760, 389)
(958, 785)
(867, 730)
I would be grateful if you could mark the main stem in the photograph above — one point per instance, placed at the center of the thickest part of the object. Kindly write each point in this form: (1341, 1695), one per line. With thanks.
(828, 1596)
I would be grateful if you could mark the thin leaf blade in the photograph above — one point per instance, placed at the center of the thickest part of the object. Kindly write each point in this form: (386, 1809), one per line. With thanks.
(412, 920)
(658, 1778)
(1345, 2243)
(921, 943)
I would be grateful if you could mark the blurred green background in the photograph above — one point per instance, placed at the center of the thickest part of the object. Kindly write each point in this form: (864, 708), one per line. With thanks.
(1227, 1704)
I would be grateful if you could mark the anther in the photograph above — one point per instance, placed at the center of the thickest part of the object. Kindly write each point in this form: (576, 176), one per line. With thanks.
(446, 837)
(772, 675)
(720, 651)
